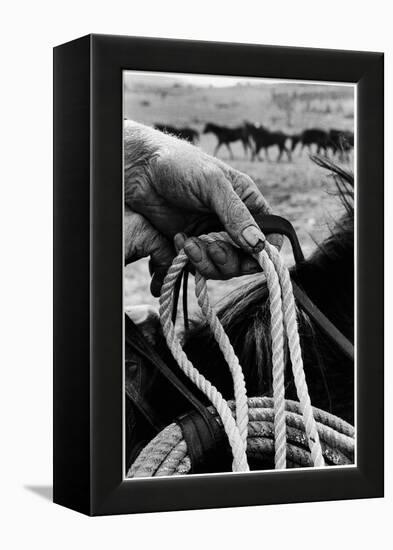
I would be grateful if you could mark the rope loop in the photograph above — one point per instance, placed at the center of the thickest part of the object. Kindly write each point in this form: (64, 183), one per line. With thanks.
(284, 330)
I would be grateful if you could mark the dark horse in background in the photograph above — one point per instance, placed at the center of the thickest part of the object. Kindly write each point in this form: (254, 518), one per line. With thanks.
(226, 136)
(264, 138)
(340, 142)
(189, 134)
(310, 137)
(335, 142)
(327, 277)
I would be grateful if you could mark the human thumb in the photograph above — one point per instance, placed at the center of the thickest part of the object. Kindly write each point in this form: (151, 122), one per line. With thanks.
(141, 239)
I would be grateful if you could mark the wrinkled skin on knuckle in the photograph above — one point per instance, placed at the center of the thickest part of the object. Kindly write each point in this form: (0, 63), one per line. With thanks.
(136, 187)
(141, 239)
(173, 177)
(187, 178)
(255, 201)
(163, 165)
(139, 183)
(240, 180)
(234, 215)
(209, 182)
(136, 236)
(139, 152)
(248, 191)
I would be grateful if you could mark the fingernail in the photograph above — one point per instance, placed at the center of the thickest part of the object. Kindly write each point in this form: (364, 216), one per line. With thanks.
(218, 252)
(254, 237)
(276, 240)
(179, 240)
(182, 236)
(193, 251)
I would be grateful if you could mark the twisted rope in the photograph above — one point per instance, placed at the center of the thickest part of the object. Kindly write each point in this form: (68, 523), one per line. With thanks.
(278, 371)
(167, 453)
(229, 355)
(277, 335)
(290, 320)
(283, 318)
(235, 430)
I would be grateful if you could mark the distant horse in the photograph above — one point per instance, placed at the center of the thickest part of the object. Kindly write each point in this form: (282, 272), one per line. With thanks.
(189, 134)
(226, 135)
(167, 128)
(294, 139)
(264, 138)
(340, 142)
(327, 277)
(314, 136)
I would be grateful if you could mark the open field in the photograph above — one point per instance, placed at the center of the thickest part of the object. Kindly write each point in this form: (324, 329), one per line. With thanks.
(298, 190)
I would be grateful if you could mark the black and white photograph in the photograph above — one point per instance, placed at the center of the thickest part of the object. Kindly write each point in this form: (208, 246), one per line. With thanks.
(195, 295)
(218, 299)
(239, 286)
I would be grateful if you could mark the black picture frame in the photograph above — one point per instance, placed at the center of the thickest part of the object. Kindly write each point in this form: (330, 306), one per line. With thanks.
(88, 271)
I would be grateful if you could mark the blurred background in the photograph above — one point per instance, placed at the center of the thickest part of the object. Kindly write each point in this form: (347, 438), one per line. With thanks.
(296, 188)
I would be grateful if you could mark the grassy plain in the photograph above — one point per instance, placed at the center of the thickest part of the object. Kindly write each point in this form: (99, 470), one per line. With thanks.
(298, 190)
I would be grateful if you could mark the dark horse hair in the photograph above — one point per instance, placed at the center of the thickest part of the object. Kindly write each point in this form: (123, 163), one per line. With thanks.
(328, 279)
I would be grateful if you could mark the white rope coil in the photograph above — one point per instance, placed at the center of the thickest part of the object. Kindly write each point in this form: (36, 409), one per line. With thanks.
(167, 453)
(283, 322)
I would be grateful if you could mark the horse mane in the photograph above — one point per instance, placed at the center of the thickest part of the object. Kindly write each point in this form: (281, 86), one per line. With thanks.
(328, 278)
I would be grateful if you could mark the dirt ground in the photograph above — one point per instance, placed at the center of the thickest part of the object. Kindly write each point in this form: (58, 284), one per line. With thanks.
(298, 190)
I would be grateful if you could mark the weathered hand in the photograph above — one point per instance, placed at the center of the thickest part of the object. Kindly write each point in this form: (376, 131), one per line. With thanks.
(179, 188)
(216, 260)
(141, 239)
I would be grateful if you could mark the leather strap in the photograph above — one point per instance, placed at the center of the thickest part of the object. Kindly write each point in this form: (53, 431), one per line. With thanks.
(275, 224)
(201, 431)
(207, 444)
(323, 322)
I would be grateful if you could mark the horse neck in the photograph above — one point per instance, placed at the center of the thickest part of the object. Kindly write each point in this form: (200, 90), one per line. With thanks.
(328, 279)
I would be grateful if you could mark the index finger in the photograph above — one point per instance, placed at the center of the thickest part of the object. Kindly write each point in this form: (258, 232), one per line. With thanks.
(234, 214)
(256, 203)
(248, 192)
